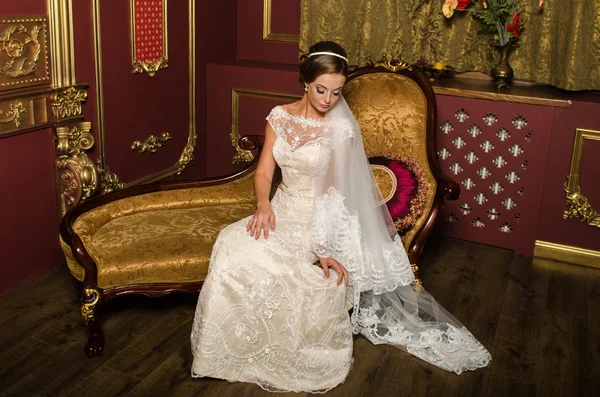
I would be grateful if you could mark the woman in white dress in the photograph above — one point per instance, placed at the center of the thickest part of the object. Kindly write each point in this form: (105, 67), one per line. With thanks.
(268, 313)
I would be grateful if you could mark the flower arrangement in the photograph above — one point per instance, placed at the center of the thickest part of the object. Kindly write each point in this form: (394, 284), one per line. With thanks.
(498, 16)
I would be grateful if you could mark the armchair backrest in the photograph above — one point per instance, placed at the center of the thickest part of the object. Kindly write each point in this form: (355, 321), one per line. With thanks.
(396, 111)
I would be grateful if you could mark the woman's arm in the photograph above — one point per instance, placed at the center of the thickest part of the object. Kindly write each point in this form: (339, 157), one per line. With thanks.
(263, 178)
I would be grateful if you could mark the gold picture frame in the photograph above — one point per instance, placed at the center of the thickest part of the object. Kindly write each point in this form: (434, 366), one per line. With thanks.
(577, 205)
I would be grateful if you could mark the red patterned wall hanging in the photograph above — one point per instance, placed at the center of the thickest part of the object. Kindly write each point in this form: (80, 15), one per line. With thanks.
(149, 35)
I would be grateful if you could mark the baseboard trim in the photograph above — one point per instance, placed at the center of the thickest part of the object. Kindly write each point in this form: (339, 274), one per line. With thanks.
(567, 253)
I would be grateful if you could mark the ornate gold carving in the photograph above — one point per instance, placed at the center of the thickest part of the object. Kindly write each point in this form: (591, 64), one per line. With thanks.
(90, 298)
(267, 34)
(393, 64)
(150, 67)
(577, 205)
(76, 173)
(13, 114)
(187, 156)
(109, 181)
(22, 47)
(67, 103)
(152, 144)
(245, 156)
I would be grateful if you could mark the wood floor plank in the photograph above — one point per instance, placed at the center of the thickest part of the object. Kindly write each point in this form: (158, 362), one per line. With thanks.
(491, 272)
(172, 377)
(139, 358)
(23, 359)
(368, 361)
(480, 314)
(593, 331)
(64, 332)
(401, 374)
(70, 367)
(36, 293)
(103, 382)
(516, 346)
(447, 281)
(554, 336)
(21, 326)
(567, 290)
(501, 386)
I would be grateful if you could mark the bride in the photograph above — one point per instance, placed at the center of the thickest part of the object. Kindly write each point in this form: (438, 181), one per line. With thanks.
(274, 307)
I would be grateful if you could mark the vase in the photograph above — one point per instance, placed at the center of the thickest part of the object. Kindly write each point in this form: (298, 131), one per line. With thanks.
(502, 72)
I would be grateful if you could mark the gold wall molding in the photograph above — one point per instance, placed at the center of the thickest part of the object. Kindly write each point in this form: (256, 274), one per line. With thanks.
(62, 42)
(152, 144)
(143, 40)
(23, 52)
(577, 205)
(109, 181)
(67, 103)
(245, 156)
(13, 114)
(566, 253)
(39, 108)
(267, 34)
(76, 173)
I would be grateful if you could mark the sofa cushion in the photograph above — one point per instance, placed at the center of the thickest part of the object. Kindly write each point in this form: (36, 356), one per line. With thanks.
(403, 186)
(159, 246)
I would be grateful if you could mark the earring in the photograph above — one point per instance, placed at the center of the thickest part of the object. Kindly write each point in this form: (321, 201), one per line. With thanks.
(306, 88)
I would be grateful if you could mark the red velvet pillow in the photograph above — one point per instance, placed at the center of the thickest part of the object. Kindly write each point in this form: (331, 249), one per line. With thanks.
(403, 186)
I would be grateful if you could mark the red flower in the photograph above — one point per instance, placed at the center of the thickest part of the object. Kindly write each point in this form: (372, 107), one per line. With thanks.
(463, 4)
(514, 26)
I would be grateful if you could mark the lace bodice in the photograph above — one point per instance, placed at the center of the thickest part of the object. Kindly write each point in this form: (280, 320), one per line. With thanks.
(302, 150)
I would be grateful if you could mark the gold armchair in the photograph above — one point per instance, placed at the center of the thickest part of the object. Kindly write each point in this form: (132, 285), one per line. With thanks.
(396, 109)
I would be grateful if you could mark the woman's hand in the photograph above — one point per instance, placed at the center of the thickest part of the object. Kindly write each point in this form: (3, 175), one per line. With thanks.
(262, 219)
(327, 263)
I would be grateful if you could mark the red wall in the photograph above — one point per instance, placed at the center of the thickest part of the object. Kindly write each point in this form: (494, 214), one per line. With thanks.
(29, 220)
(28, 207)
(285, 19)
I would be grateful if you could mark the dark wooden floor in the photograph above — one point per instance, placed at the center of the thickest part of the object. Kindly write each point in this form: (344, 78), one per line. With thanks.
(540, 320)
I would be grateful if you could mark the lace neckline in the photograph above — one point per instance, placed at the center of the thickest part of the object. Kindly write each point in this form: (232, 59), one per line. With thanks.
(301, 119)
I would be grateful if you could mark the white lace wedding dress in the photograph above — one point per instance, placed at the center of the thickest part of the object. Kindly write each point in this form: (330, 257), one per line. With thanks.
(266, 314)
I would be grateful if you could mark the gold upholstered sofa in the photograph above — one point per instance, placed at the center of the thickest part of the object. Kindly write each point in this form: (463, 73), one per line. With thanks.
(157, 239)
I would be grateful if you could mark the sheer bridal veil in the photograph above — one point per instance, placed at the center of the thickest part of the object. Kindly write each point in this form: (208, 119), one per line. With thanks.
(352, 224)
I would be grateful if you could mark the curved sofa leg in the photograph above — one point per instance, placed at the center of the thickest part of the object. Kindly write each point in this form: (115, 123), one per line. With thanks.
(90, 303)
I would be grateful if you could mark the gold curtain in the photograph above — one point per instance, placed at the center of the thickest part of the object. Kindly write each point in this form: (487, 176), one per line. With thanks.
(560, 45)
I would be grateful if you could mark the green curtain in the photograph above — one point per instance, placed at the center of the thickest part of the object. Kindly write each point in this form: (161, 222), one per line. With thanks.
(560, 45)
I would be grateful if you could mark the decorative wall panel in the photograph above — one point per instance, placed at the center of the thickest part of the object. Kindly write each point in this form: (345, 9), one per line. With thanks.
(149, 35)
(497, 152)
(24, 52)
